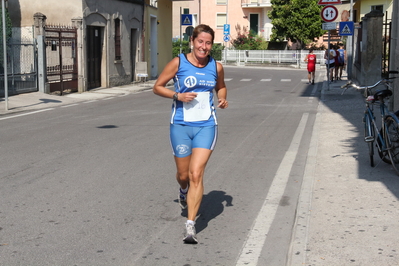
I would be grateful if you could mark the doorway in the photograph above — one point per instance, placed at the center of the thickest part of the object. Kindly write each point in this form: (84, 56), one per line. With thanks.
(94, 56)
(154, 47)
(254, 23)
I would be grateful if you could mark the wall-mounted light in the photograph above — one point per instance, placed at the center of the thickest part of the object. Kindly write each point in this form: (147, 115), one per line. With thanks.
(245, 16)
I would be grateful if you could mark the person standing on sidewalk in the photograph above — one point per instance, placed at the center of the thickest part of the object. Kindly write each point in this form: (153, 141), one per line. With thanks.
(341, 60)
(311, 60)
(330, 62)
(193, 123)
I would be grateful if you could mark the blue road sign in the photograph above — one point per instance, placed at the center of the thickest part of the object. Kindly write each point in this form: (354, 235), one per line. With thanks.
(186, 19)
(346, 28)
(226, 29)
(226, 38)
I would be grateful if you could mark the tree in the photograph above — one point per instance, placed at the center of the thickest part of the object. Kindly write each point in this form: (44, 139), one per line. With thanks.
(297, 20)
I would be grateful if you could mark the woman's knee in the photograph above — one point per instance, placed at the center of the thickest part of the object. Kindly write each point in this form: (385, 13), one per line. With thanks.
(182, 175)
(196, 176)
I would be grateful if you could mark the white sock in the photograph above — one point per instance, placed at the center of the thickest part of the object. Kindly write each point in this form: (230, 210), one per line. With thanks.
(190, 222)
(184, 191)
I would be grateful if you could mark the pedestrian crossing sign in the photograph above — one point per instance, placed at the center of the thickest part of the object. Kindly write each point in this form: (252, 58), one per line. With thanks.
(186, 19)
(346, 28)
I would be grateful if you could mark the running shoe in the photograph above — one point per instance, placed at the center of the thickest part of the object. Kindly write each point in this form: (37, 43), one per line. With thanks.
(190, 237)
(182, 198)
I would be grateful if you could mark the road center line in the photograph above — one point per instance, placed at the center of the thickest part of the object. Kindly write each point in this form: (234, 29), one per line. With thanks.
(256, 238)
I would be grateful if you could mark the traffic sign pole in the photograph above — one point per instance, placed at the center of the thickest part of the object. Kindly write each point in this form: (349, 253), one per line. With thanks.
(349, 46)
(181, 47)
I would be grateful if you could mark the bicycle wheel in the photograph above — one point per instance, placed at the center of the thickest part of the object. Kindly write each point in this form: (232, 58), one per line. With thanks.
(383, 154)
(369, 137)
(392, 141)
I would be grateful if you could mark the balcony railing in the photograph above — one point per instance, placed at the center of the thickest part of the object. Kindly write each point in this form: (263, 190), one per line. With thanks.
(256, 3)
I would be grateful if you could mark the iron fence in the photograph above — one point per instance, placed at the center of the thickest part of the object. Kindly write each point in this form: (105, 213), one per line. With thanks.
(289, 58)
(21, 63)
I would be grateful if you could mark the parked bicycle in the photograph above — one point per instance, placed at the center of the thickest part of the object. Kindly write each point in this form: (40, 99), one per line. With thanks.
(386, 138)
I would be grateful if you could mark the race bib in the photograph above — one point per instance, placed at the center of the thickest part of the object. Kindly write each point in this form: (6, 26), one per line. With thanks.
(198, 109)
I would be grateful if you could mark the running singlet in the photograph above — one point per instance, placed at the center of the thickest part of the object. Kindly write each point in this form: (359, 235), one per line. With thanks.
(311, 62)
(341, 56)
(189, 78)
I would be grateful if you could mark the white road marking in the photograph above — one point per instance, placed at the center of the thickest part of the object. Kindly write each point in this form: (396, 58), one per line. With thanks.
(297, 253)
(70, 105)
(285, 80)
(256, 239)
(228, 79)
(30, 113)
(245, 80)
(265, 79)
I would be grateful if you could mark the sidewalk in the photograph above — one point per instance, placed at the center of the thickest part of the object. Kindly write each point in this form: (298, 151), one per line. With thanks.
(348, 211)
(38, 100)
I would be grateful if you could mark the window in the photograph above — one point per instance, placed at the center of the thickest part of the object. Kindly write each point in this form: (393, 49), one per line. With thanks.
(186, 11)
(220, 19)
(154, 3)
(195, 19)
(118, 39)
(378, 7)
(221, 2)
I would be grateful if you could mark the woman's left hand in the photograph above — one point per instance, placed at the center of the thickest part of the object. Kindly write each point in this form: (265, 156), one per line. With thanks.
(223, 103)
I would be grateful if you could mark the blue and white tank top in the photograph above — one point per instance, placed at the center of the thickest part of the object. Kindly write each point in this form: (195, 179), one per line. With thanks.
(202, 80)
(341, 56)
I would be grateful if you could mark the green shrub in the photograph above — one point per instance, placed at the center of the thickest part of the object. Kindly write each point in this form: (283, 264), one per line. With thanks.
(249, 41)
(176, 48)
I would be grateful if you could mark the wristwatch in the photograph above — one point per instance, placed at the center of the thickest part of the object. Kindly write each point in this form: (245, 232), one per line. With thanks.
(175, 96)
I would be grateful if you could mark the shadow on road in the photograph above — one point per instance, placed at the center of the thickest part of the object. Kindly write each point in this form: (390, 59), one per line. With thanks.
(212, 206)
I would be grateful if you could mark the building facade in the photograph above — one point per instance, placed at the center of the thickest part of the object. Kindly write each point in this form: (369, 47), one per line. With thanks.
(112, 35)
(241, 15)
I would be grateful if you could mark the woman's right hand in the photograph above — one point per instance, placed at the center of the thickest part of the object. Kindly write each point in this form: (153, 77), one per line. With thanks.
(186, 96)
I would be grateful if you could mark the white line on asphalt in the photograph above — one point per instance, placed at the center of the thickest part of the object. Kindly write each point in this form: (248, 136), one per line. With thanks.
(285, 80)
(227, 79)
(299, 240)
(245, 80)
(69, 105)
(30, 113)
(304, 80)
(265, 79)
(109, 98)
(313, 93)
(91, 101)
(256, 239)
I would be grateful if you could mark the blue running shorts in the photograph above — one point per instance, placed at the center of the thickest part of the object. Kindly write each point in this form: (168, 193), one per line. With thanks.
(184, 138)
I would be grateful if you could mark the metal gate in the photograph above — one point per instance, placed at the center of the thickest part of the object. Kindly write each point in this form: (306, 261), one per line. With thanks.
(21, 63)
(61, 56)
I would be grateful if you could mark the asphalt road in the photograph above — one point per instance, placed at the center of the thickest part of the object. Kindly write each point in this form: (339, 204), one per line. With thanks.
(93, 183)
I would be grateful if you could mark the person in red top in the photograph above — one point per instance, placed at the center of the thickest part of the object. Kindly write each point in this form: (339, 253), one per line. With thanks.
(311, 60)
